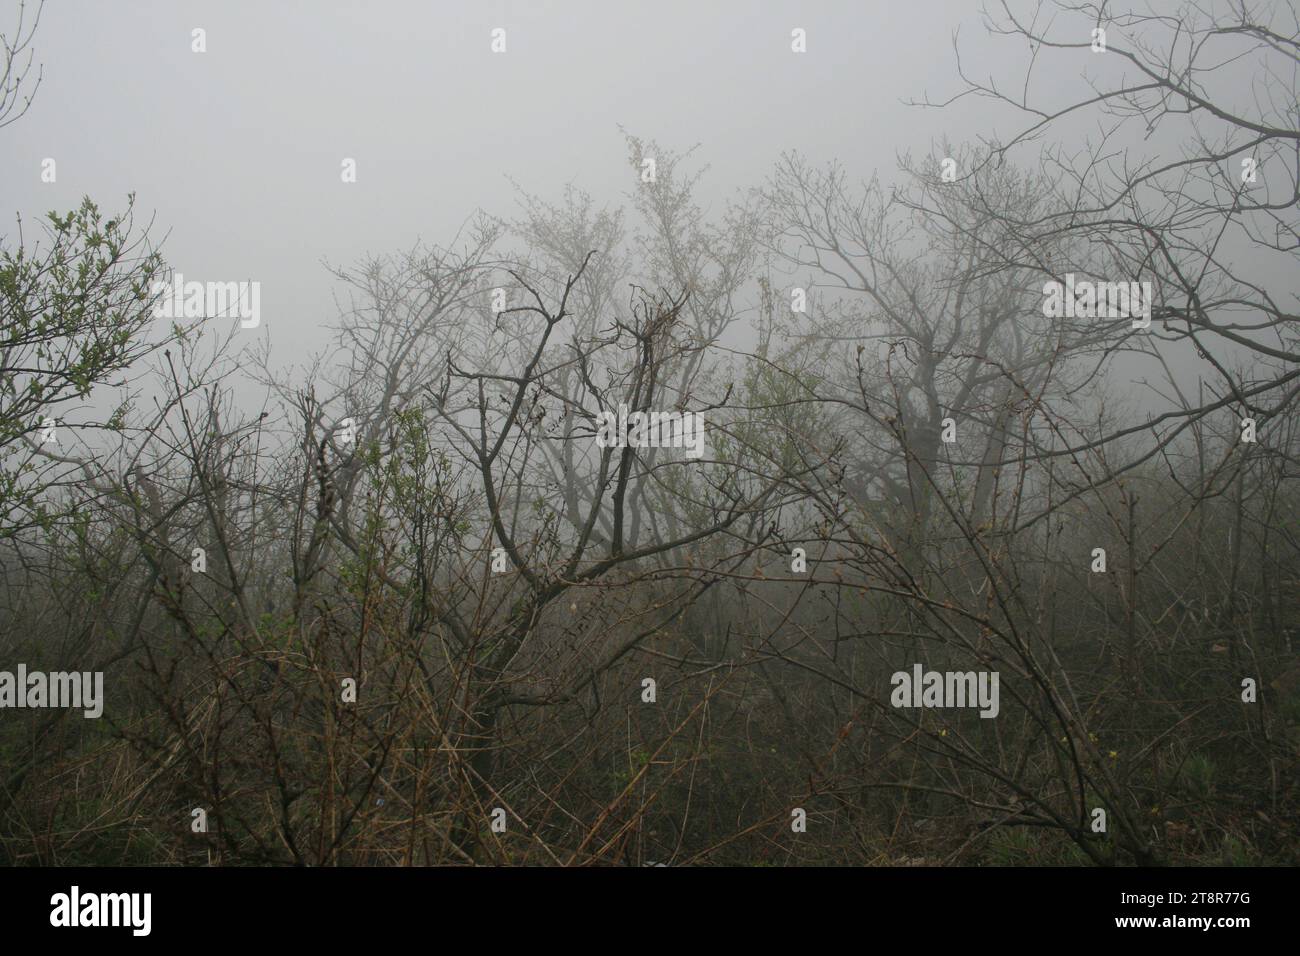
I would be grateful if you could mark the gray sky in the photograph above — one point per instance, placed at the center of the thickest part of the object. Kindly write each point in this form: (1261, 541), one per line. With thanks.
(237, 151)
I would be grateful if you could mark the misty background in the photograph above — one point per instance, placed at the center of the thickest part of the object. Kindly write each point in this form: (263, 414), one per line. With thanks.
(236, 152)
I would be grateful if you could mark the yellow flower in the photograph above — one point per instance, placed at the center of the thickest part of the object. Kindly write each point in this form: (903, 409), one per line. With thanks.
(1113, 755)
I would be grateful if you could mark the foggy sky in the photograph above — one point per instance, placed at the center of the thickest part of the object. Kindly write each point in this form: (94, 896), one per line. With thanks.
(236, 152)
